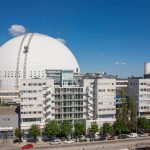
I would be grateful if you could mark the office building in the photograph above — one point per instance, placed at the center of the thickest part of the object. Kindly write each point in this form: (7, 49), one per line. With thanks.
(139, 88)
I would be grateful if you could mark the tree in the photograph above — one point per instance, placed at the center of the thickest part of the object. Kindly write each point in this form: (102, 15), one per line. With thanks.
(132, 111)
(119, 127)
(107, 128)
(65, 128)
(123, 110)
(18, 133)
(51, 129)
(143, 123)
(126, 115)
(79, 129)
(34, 131)
(94, 128)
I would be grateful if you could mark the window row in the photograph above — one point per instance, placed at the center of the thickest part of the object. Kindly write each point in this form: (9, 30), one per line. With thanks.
(71, 90)
(34, 84)
(145, 107)
(108, 83)
(107, 109)
(31, 119)
(30, 91)
(147, 90)
(69, 96)
(32, 105)
(32, 112)
(28, 98)
(108, 90)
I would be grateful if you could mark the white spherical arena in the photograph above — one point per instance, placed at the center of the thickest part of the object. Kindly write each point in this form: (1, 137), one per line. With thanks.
(30, 55)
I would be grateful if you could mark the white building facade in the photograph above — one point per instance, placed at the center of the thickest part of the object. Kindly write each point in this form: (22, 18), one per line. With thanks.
(105, 99)
(62, 97)
(101, 98)
(36, 102)
(139, 88)
(70, 103)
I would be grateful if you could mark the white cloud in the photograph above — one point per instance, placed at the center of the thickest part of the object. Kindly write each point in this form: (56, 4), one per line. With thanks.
(123, 63)
(16, 30)
(61, 40)
(120, 63)
(117, 63)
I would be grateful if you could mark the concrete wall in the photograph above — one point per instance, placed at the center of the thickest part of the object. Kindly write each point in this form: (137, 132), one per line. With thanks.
(9, 121)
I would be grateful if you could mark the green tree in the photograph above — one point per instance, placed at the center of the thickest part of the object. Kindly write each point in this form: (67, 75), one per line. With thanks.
(51, 129)
(123, 112)
(79, 129)
(126, 115)
(94, 128)
(65, 128)
(121, 115)
(132, 110)
(143, 123)
(119, 127)
(34, 131)
(107, 128)
(18, 134)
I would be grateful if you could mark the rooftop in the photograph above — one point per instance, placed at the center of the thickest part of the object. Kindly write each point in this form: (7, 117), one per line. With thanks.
(8, 110)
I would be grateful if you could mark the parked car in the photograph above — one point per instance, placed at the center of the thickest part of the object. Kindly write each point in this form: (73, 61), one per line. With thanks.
(143, 135)
(69, 141)
(102, 138)
(111, 138)
(16, 140)
(122, 136)
(28, 146)
(132, 135)
(83, 139)
(31, 139)
(45, 138)
(97, 139)
(55, 142)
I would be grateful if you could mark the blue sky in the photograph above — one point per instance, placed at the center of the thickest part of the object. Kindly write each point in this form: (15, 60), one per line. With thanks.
(110, 36)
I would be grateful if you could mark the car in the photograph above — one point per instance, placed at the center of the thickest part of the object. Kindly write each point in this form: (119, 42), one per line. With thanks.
(122, 136)
(143, 135)
(55, 142)
(132, 135)
(102, 138)
(45, 139)
(68, 141)
(111, 138)
(30, 139)
(97, 139)
(16, 140)
(83, 139)
(28, 146)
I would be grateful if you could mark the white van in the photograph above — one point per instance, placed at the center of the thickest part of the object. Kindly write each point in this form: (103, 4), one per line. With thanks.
(132, 135)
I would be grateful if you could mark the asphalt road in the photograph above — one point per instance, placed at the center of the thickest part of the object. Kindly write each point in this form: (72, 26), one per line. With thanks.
(107, 145)
(102, 145)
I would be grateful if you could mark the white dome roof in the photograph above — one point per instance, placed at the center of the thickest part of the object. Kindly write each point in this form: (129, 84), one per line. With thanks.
(32, 54)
